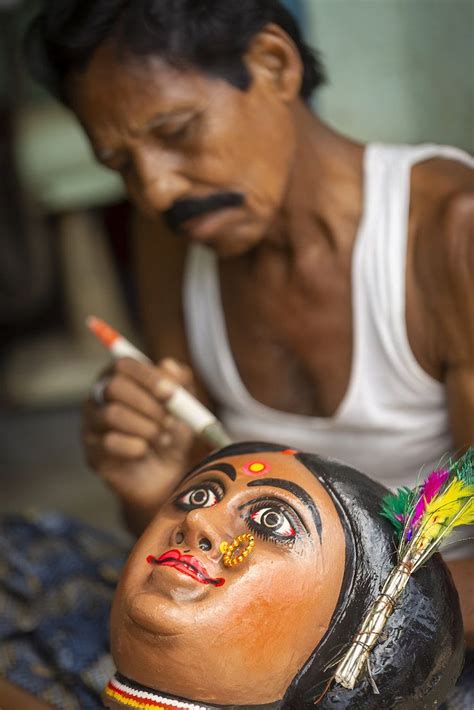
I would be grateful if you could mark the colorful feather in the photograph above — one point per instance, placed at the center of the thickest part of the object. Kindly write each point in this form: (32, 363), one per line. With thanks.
(440, 504)
(424, 517)
(463, 468)
(431, 511)
(449, 510)
(395, 507)
(428, 490)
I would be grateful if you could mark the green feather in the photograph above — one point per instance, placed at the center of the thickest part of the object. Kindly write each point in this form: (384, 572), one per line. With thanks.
(463, 468)
(395, 507)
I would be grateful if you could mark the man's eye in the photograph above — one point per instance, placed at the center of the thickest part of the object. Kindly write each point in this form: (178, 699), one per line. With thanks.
(273, 522)
(203, 496)
(177, 133)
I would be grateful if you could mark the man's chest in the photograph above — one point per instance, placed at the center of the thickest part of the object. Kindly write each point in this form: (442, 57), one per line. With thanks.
(292, 345)
(292, 340)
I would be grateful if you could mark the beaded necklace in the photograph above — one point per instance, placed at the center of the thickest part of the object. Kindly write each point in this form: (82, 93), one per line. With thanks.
(133, 695)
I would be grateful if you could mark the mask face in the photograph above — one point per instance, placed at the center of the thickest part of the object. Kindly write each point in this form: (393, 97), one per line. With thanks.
(186, 624)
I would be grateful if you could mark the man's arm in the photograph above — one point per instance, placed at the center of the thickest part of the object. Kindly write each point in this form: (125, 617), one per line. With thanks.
(13, 698)
(460, 389)
(463, 576)
(459, 235)
(457, 315)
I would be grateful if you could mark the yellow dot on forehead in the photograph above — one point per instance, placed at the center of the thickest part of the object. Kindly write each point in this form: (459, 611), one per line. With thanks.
(256, 467)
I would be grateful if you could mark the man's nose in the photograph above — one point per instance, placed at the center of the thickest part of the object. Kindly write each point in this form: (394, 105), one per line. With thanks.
(159, 181)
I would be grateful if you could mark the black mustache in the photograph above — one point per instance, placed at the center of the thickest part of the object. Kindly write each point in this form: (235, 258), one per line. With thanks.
(183, 210)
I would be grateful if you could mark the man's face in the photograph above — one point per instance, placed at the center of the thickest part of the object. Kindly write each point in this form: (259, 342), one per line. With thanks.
(184, 623)
(181, 135)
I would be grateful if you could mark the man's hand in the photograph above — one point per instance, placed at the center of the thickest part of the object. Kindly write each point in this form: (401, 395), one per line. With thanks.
(131, 441)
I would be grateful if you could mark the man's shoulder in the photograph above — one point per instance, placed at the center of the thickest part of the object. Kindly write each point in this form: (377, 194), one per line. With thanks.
(442, 210)
(443, 199)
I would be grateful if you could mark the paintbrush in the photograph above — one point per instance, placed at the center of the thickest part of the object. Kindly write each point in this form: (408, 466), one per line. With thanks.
(181, 404)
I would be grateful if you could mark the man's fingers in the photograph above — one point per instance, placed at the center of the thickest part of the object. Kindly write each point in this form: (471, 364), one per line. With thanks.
(133, 421)
(159, 380)
(135, 394)
(147, 376)
(119, 417)
(113, 444)
(174, 435)
(181, 374)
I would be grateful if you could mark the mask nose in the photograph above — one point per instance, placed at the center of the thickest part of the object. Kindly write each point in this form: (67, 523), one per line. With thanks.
(201, 531)
(203, 544)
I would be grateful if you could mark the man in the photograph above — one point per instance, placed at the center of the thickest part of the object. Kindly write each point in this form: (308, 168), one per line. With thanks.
(332, 307)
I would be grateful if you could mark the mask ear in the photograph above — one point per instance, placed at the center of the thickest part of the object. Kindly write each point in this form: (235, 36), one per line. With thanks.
(273, 59)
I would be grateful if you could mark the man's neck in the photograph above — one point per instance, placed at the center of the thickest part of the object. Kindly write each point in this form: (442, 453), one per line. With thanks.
(323, 201)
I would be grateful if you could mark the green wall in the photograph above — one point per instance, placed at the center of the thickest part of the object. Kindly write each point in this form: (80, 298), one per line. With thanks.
(399, 70)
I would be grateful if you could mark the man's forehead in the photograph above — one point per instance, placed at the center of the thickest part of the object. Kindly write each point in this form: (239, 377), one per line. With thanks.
(134, 97)
(144, 73)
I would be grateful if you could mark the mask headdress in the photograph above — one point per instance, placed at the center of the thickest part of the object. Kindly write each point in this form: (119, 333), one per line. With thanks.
(423, 517)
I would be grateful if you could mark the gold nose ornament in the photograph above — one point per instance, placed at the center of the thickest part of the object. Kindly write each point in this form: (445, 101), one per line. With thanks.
(238, 550)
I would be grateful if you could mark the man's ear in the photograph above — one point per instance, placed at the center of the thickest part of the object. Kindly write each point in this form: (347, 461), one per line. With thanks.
(272, 57)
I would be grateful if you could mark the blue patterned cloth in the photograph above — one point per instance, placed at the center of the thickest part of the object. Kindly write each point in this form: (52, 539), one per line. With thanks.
(57, 578)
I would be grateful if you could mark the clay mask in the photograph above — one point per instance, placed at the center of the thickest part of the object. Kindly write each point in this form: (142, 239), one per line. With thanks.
(265, 632)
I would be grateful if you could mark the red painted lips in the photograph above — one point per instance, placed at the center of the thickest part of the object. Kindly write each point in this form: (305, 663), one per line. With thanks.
(186, 564)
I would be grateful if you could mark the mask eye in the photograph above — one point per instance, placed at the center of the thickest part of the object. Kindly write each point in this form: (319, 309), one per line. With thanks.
(273, 521)
(204, 495)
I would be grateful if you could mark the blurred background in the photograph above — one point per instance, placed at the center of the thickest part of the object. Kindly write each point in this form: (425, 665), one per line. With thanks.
(399, 71)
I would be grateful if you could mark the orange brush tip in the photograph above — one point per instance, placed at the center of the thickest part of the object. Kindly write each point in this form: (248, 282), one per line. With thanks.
(102, 331)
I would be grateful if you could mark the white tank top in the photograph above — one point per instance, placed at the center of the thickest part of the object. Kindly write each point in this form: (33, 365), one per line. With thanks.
(393, 421)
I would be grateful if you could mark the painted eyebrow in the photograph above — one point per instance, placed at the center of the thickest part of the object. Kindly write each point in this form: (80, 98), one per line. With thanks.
(225, 468)
(297, 491)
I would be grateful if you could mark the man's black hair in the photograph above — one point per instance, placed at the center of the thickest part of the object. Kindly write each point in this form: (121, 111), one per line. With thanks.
(419, 656)
(212, 35)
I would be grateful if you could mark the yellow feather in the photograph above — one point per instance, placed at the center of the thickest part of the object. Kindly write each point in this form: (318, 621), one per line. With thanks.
(455, 506)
